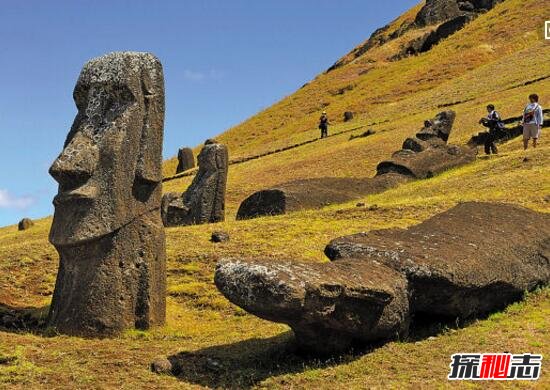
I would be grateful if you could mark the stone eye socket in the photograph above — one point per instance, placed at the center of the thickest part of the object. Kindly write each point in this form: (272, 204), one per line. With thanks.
(102, 104)
(116, 102)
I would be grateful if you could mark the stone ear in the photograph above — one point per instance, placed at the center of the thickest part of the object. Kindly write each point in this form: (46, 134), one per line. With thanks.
(149, 163)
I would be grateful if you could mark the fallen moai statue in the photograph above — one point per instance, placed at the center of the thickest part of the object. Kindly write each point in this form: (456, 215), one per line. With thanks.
(428, 153)
(204, 200)
(469, 260)
(423, 156)
(186, 160)
(312, 193)
(107, 227)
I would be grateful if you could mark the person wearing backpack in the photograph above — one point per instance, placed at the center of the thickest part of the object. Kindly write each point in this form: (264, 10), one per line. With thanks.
(532, 121)
(494, 123)
(323, 124)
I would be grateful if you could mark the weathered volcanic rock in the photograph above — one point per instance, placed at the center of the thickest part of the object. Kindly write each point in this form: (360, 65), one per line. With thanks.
(328, 306)
(471, 259)
(428, 153)
(312, 193)
(219, 236)
(439, 127)
(204, 200)
(438, 11)
(107, 227)
(348, 115)
(25, 223)
(186, 160)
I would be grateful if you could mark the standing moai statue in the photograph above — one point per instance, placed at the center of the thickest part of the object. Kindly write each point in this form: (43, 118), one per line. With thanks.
(204, 200)
(186, 160)
(107, 226)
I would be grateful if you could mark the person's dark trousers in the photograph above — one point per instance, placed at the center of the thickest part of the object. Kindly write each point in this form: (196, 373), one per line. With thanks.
(324, 132)
(490, 146)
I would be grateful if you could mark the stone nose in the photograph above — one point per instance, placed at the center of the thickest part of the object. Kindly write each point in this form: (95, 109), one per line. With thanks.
(76, 163)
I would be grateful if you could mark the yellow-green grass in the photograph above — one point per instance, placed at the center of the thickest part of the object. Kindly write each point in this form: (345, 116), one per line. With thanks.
(201, 320)
(488, 61)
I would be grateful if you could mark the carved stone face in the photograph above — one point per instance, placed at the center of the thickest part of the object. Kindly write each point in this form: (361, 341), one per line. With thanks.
(110, 168)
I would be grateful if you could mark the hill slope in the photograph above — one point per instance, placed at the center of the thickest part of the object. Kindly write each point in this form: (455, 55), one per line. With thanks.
(490, 60)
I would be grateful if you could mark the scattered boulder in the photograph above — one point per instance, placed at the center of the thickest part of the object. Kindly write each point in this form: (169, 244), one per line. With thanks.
(186, 160)
(219, 236)
(428, 154)
(25, 223)
(204, 200)
(467, 261)
(348, 115)
(439, 11)
(106, 226)
(162, 366)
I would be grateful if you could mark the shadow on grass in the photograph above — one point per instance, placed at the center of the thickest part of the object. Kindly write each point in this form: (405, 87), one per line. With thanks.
(245, 363)
(23, 319)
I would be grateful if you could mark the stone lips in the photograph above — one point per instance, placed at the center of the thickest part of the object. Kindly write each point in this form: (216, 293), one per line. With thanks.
(204, 200)
(469, 260)
(107, 227)
(328, 306)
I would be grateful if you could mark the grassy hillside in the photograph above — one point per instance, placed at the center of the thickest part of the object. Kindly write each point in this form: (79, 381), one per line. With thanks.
(490, 60)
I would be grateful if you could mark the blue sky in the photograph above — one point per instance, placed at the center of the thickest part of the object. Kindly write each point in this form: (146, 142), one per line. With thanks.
(223, 62)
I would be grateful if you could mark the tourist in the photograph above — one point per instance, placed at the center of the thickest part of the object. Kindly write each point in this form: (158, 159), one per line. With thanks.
(323, 124)
(532, 121)
(495, 125)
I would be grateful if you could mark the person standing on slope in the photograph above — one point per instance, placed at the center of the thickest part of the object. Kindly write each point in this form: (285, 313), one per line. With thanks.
(495, 125)
(532, 121)
(323, 124)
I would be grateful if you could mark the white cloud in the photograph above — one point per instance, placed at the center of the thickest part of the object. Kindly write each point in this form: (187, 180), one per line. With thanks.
(9, 201)
(192, 75)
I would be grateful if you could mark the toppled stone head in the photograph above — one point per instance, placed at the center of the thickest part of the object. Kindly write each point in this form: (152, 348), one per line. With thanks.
(110, 167)
(428, 153)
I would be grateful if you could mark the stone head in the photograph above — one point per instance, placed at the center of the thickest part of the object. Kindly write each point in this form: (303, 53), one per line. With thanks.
(109, 171)
(212, 156)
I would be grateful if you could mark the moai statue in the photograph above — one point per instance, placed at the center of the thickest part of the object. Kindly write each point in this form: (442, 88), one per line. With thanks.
(107, 226)
(186, 160)
(204, 200)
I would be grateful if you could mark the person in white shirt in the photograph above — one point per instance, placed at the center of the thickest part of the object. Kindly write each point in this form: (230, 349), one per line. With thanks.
(532, 121)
